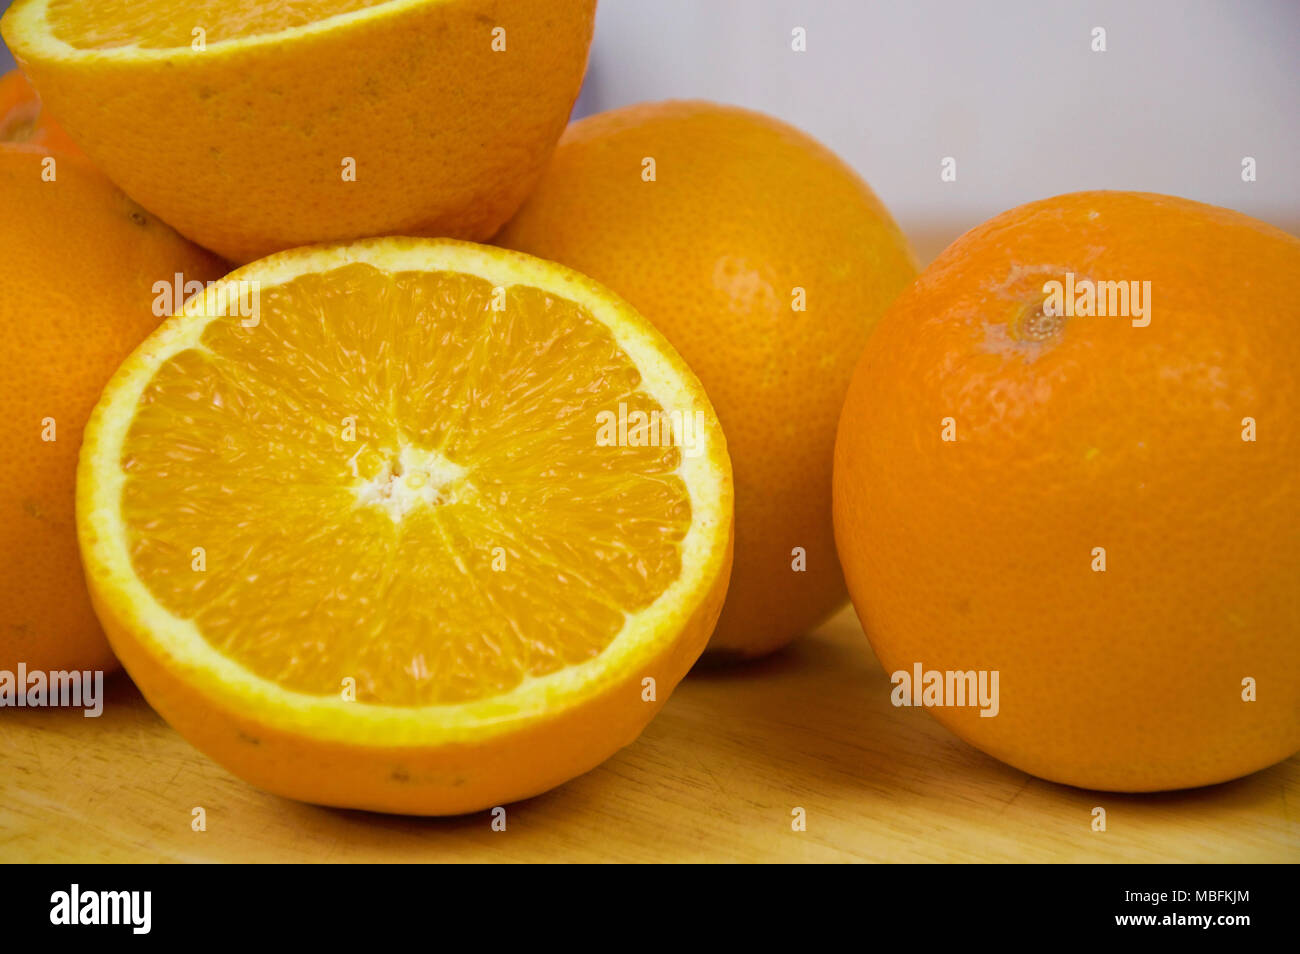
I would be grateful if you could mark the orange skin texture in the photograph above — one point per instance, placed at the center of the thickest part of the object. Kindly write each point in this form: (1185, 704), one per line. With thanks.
(743, 209)
(242, 149)
(77, 265)
(22, 120)
(978, 553)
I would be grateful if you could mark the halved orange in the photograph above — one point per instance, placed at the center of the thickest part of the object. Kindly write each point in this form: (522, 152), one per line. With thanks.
(429, 528)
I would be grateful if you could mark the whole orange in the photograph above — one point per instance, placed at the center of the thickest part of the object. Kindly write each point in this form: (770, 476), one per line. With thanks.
(258, 126)
(765, 260)
(78, 262)
(22, 120)
(1103, 509)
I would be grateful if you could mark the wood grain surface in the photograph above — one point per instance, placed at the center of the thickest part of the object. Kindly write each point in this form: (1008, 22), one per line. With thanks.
(714, 778)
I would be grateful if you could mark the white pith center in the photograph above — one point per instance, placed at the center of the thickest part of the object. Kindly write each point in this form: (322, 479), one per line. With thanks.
(416, 476)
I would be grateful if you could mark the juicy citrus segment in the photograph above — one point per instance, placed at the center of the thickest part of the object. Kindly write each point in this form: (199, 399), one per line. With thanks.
(413, 468)
(164, 24)
(352, 498)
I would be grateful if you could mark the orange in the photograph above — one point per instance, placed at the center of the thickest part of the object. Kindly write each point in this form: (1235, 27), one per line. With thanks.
(765, 260)
(257, 126)
(1102, 509)
(22, 120)
(78, 262)
(397, 537)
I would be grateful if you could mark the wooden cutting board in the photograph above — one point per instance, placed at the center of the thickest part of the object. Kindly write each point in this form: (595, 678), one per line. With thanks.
(715, 777)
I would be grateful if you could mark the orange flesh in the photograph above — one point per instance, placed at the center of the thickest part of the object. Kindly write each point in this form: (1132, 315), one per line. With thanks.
(473, 533)
(164, 24)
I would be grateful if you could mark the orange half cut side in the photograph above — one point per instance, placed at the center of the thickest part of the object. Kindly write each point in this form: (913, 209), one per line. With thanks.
(409, 525)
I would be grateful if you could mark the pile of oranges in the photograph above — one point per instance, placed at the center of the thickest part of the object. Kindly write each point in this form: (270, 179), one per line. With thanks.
(1101, 507)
